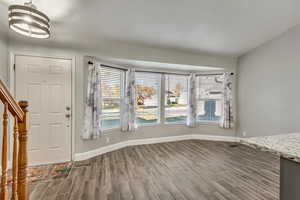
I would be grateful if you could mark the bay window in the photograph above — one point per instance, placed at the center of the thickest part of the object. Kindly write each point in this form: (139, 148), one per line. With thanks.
(150, 102)
(176, 98)
(148, 86)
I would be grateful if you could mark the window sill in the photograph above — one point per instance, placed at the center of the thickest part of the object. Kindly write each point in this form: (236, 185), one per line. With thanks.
(175, 123)
(147, 125)
(208, 123)
(198, 123)
(111, 131)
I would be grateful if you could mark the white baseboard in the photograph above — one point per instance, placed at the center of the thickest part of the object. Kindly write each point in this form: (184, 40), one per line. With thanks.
(120, 145)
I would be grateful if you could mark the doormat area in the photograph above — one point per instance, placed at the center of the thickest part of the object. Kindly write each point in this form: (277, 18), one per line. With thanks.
(45, 172)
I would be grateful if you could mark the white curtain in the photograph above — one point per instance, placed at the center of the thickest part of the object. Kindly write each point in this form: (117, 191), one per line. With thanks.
(226, 120)
(192, 101)
(93, 105)
(129, 102)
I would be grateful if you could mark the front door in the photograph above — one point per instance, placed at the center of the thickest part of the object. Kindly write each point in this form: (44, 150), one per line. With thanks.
(46, 84)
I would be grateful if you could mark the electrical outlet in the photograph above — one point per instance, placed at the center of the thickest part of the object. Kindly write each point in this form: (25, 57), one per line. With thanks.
(107, 139)
(244, 133)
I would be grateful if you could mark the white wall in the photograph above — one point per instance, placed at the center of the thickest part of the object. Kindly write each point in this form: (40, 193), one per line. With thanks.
(3, 42)
(268, 87)
(3, 65)
(3, 56)
(142, 54)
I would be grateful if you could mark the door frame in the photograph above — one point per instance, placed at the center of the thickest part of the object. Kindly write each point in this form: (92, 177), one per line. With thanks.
(12, 87)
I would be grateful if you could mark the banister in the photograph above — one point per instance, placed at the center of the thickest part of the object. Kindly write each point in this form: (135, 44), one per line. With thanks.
(13, 107)
(20, 114)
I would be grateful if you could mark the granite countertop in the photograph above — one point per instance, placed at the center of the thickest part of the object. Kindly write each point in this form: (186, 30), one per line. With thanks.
(285, 145)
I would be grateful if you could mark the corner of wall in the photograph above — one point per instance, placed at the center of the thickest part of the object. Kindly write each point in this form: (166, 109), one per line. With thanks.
(268, 78)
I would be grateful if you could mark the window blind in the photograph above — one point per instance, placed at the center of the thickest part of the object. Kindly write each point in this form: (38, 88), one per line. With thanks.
(111, 86)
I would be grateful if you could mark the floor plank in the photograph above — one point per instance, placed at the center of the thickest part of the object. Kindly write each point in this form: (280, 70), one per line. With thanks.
(186, 170)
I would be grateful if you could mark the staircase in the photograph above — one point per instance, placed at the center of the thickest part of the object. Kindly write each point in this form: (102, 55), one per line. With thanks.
(19, 114)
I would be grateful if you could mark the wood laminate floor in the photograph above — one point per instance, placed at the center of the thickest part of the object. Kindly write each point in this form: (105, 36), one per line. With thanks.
(186, 170)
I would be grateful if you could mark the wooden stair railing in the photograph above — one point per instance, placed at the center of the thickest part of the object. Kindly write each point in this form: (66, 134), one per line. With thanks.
(19, 113)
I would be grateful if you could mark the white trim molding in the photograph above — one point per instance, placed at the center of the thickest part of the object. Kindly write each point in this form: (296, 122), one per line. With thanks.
(120, 145)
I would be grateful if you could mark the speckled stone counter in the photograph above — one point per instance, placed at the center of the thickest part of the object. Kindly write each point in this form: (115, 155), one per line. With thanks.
(285, 145)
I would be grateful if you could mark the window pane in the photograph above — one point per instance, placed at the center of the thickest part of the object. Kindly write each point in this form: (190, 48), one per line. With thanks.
(209, 110)
(148, 98)
(110, 113)
(111, 80)
(209, 95)
(176, 98)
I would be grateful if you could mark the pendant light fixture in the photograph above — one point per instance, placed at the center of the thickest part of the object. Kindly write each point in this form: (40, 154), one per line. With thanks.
(27, 20)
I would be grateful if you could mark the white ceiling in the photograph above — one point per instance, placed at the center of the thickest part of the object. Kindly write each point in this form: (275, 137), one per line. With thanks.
(225, 27)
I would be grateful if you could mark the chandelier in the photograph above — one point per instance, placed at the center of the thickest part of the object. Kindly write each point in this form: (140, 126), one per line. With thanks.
(27, 20)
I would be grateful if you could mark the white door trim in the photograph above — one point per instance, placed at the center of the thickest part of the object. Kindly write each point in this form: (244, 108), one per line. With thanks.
(12, 88)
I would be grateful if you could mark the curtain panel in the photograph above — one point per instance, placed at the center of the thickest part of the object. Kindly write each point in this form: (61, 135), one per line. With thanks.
(192, 101)
(226, 120)
(128, 115)
(93, 104)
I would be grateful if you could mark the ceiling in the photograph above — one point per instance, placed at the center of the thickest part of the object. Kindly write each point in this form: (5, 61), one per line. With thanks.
(223, 27)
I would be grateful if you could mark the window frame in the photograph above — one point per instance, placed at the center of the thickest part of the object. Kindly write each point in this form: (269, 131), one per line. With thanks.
(163, 100)
(159, 101)
(205, 122)
(122, 94)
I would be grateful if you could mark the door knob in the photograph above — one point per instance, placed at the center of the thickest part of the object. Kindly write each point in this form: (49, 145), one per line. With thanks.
(68, 108)
(68, 115)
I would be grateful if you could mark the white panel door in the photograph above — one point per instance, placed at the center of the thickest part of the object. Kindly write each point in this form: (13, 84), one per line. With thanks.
(46, 84)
